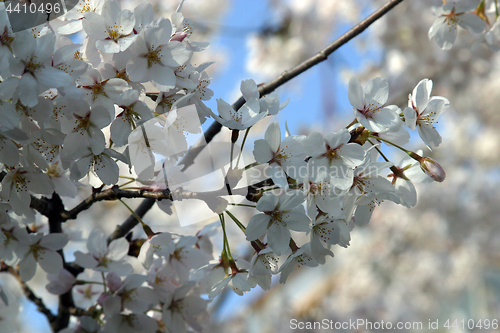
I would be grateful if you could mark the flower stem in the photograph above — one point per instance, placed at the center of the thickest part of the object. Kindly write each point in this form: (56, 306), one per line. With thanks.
(226, 250)
(238, 223)
(379, 151)
(242, 145)
(392, 144)
(104, 282)
(251, 165)
(89, 282)
(241, 205)
(145, 227)
(355, 121)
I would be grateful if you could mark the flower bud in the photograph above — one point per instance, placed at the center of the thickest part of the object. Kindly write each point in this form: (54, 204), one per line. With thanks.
(113, 281)
(179, 36)
(432, 169)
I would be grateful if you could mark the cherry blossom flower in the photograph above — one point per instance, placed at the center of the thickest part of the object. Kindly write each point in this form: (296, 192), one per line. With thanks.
(264, 264)
(64, 59)
(284, 157)
(130, 323)
(35, 67)
(75, 16)
(185, 257)
(156, 56)
(301, 257)
(280, 214)
(408, 172)
(104, 258)
(209, 275)
(62, 185)
(17, 185)
(14, 237)
(368, 190)
(247, 115)
(368, 104)
(102, 91)
(333, 157)
(41, 249)
(240, 282)
(131, 296)
(329, 231)
(133, 111)
(86, 294)
(84, 131)
(161, 245)
(324, 196)
(451, 14)
(101, 166)
(184, 307)
(113, 29)
(161, 279)
(423, 111)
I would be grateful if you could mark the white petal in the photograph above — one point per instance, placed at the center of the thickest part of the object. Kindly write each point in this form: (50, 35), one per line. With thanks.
(257, 226)
(277, 175)
(356, 95)
(249, 89)
(85, 260)
(278, 238)
(273, 136)
(50, 261)
(444, 34)
(28, 88)
(472, 22)
(54, 241)
(52, 77)
(118, 249)
(268, 202)
(27, 267)
(261, 151)
(376, 90)
(410, 118)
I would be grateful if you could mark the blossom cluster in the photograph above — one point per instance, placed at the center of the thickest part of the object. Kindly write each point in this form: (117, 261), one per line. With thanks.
(74, 113)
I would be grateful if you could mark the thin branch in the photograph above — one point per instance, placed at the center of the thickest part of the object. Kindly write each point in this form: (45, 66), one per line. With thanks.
(323, 55)
(32, 297)
(66, 302)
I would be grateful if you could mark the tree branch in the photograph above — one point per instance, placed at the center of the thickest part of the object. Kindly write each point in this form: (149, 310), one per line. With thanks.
(56, 207)
(32, 297)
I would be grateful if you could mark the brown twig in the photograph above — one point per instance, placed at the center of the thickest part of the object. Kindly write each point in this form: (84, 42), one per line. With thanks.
(32, 297)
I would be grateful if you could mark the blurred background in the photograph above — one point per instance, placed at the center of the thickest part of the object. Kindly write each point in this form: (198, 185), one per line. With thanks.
(437, 261)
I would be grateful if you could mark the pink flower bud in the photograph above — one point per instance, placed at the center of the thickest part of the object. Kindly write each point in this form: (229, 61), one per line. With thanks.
(179, 36)
(113, 281)
(432, 169)
(102, 298)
